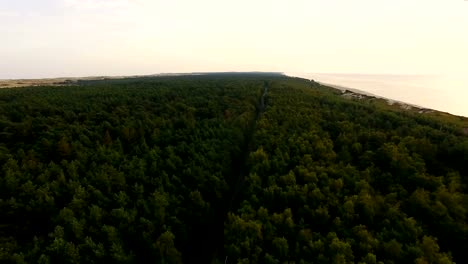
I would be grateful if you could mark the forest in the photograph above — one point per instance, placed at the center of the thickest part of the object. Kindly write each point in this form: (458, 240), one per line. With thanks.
(226, 168)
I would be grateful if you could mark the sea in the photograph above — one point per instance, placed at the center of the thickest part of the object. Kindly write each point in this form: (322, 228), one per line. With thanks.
(446, 93)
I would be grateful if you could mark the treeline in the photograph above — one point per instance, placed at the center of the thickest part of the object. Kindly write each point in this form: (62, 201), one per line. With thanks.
(194, 169)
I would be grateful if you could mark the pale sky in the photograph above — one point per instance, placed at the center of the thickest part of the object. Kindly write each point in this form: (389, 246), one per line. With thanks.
(54, 38)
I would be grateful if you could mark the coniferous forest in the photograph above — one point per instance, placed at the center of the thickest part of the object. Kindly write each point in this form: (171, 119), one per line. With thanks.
(226, 168)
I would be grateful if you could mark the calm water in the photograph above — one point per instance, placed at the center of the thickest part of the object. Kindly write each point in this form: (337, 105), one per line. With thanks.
(442, 92)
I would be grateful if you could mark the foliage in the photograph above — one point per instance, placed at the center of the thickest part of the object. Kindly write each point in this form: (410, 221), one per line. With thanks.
(235, 168)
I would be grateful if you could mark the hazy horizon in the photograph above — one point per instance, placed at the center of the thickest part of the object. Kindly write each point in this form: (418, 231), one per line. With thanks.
(428, 91)
(75, 38)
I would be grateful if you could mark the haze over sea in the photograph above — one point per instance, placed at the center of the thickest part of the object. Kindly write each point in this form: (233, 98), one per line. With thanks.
(429, 91)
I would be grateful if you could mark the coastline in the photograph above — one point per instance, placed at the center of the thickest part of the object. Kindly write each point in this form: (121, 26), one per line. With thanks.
(415, 91)
(390, 101)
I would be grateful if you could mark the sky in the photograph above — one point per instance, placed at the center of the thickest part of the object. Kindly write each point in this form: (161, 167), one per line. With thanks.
(56, 38)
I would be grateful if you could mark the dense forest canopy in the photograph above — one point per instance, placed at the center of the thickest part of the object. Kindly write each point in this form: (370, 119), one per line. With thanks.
(227, 168)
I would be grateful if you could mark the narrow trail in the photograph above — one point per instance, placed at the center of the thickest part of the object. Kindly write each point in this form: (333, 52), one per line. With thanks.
(240, 165)
(246, 149)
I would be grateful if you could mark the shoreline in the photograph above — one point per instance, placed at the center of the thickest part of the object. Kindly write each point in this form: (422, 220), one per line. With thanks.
(390, 101)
